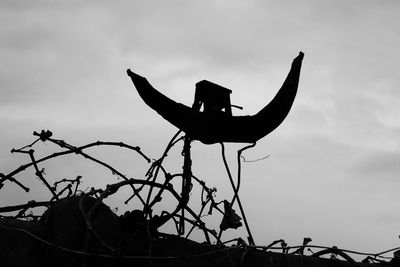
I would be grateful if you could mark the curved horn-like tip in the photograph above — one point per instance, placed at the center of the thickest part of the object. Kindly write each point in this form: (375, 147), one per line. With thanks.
(132, 74)
(301, 55)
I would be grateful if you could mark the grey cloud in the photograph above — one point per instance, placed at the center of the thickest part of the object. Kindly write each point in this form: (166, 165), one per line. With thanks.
(51, 52)
(381, 165)
(219, 34)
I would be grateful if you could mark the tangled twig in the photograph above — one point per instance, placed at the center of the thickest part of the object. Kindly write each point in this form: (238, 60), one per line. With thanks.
(149, 201)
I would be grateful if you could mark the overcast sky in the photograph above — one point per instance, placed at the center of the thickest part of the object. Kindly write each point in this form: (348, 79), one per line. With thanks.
(334, 167)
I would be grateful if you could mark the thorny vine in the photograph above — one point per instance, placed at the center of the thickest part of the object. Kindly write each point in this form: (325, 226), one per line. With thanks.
(71, 187)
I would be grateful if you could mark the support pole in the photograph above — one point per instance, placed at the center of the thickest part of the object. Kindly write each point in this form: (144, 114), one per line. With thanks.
(186, 182)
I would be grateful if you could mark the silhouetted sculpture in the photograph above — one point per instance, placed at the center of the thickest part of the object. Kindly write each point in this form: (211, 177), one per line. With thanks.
(219, 126)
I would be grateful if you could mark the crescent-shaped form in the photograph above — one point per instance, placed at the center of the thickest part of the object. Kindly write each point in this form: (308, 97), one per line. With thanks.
(216, 128)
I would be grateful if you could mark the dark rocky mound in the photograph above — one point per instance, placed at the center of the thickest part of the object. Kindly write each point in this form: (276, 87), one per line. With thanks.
(82, 231)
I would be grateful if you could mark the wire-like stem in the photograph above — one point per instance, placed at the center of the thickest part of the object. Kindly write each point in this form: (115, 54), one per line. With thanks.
(239, 169)
(39, 174)
(250, 237)
(157, 165)
(71, 150)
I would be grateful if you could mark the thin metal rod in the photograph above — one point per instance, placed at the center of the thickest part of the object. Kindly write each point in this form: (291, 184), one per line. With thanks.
(239, 153)
(250, 237)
